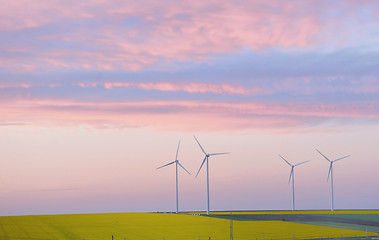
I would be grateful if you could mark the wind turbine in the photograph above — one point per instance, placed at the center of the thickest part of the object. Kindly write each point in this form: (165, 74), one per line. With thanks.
(207, 155)
(330, 173)
(176, 165)
(292, 175)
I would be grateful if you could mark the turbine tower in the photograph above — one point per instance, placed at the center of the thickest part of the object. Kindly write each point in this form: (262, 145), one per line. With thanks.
(176, 165)
(330, 173)
(207, 155)
(292, 175)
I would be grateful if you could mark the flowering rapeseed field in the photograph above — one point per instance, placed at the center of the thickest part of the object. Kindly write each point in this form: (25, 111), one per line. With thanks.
(155, 226)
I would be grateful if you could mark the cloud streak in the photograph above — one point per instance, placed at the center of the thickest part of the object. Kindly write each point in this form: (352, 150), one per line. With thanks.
(186, 87)
(187, 115)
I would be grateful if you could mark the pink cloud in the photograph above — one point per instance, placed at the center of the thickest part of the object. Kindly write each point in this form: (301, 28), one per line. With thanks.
(190, 87)
(183, 115)
(302, 85)
(15, 85)
(186, 30)
(87, 84)
(25, 14)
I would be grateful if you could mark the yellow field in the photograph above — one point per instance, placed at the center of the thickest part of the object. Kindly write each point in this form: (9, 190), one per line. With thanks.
(155, 226)
(298, 212)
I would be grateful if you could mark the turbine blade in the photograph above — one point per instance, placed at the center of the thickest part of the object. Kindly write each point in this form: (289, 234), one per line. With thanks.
(200, 145)
(177, 150)
(323, 155)
(201, 165)
(341, 158)
(289, 180)
(166, 164)
(213, 154)
(285, 160)
(183, 168)
(330, 169)
(300, 163)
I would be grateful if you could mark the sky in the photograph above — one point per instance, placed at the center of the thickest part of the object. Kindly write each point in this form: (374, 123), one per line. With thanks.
(95, 95)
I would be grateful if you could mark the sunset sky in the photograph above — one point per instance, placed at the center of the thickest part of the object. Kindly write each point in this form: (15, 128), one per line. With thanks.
(95, 95)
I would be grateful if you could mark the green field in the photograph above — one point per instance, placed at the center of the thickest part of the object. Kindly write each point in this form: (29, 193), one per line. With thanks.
(158, 226)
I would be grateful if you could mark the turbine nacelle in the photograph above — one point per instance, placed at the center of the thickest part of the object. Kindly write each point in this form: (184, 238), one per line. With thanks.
(292, 167)
(331, 162)
(176, 161)
(207, 155)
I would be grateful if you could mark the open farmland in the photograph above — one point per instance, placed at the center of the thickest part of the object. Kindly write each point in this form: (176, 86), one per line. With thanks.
(157, 226)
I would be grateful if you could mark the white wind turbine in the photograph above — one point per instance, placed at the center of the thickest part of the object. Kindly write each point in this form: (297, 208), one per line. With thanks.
(207, 155)
(176, 165)
(292, 175)
(330, 173)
